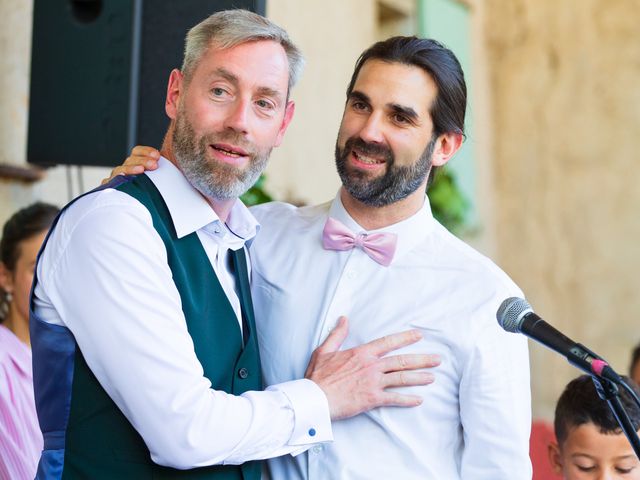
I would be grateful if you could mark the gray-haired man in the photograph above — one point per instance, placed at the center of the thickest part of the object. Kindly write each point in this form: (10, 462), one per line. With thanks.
(145, 351)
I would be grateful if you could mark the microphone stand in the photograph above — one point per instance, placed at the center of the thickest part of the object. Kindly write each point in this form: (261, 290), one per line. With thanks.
(608, 390)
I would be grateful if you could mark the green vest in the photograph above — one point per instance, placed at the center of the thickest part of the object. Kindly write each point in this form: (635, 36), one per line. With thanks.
(100, 442)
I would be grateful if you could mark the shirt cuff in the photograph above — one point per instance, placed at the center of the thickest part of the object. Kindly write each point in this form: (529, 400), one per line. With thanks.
(312, 420)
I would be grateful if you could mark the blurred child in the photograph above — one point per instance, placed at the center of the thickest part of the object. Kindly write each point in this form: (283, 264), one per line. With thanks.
(590, 444)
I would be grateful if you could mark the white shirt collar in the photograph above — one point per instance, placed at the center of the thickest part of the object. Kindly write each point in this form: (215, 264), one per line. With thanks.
(410, 231)
(190, 211)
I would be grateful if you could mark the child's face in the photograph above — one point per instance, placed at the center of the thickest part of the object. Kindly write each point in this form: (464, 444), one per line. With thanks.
(589, 454)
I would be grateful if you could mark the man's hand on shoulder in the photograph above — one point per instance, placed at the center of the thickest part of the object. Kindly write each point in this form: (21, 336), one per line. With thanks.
(356, 380)
(142, 158)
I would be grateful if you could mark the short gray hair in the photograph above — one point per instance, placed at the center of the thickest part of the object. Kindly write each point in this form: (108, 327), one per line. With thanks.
(229, 28)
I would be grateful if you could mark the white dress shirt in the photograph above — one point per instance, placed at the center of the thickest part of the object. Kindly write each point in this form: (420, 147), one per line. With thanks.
(475, 419)
(104, 275)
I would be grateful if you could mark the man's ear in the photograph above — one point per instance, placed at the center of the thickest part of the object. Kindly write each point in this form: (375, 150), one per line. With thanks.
(446, 147)
(6, 279)
(174, 91)
(289, 110)
(555, 458)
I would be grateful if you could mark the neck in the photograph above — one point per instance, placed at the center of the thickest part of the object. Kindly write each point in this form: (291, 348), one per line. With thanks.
(373, 218)
(18, 325)
(221, 207)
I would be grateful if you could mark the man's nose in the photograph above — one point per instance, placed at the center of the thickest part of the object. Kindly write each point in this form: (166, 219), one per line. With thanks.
(237, 118)
(372, 131)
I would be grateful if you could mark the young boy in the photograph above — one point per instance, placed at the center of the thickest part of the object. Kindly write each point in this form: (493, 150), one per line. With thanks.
(590, 443)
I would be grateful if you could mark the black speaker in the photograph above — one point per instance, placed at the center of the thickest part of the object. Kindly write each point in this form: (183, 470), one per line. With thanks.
(99, 72)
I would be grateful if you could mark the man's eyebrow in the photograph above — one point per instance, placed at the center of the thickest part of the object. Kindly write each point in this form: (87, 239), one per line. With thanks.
(232, 78)
(357, 95)
(226, 74)
(409, 112)
(406, 111)
(270, 92)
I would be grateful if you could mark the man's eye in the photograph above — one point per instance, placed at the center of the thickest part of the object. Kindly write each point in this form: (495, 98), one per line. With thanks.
(359, 106)
(218, 92)
(398, 118)
(264, 104)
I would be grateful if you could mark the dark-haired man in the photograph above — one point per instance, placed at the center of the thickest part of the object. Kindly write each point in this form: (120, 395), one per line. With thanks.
(376, 254)
(404, 116)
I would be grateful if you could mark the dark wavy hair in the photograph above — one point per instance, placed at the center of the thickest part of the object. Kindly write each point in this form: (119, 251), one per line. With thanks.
(580, 404)
(22, 225)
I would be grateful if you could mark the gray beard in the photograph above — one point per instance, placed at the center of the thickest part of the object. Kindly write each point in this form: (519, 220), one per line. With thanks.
(396, 184)
(213, 179)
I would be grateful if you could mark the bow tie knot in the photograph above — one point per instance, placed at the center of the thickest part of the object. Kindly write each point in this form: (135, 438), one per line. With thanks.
(378, 246)
(359, 240)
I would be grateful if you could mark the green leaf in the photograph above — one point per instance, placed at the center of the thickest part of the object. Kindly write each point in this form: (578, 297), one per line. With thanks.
(448, 204)
(256, 194)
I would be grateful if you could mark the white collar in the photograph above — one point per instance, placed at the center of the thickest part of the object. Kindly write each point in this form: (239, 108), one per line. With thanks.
(190, 211)
(410, 231)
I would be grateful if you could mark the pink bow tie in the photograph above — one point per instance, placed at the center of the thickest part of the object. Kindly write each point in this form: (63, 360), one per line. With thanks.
(379, 246)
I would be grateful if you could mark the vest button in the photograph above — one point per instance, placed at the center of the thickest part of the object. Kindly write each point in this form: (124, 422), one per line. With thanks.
(243, 373)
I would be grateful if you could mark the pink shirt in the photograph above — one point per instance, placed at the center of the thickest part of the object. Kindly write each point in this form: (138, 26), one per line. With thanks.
(20, 437)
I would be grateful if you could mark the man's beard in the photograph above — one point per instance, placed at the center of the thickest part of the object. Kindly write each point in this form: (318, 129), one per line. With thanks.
(211, 178)
(397, 183)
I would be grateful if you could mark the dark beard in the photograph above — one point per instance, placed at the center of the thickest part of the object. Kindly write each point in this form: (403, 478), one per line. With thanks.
(213, 179)
(396, 184)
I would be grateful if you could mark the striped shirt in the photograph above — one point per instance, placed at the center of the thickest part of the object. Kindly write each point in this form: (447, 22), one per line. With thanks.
(20, 437)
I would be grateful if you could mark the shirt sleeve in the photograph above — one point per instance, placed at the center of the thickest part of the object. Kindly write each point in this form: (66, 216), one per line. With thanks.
(495, 407)
(105, 273)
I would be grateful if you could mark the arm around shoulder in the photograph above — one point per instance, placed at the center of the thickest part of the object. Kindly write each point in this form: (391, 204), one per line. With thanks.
(106, 275)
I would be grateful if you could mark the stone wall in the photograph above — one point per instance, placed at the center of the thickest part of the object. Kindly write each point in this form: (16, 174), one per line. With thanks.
(566, 122)
(15, 48)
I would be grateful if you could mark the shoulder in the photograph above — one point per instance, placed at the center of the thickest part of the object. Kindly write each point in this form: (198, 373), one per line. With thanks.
(464, 284)
(90, 222)
(278, 215)
(103, 202)
(273, 209)
(101, 210)
(13, 353)
(7, 344)
(473, 266)
(285, 227)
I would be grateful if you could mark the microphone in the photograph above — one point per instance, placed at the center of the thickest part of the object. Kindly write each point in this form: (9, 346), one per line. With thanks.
(515, 315)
